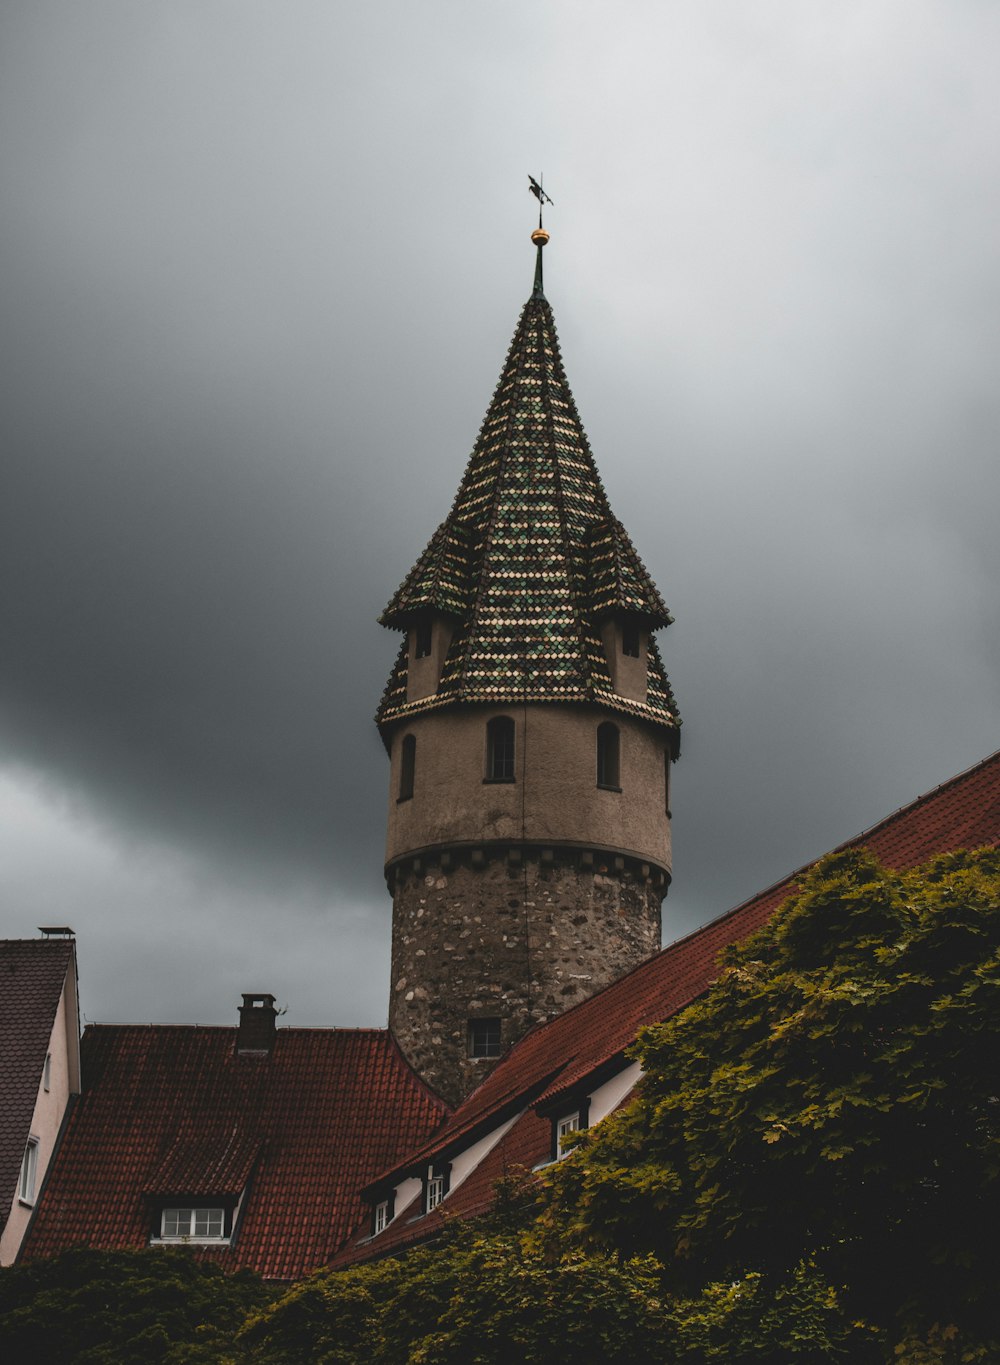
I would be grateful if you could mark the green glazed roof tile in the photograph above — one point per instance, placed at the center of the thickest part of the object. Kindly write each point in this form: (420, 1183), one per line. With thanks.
(530, 557)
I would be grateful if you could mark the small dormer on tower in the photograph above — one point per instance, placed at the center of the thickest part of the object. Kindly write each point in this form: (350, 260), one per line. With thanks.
(530, 728)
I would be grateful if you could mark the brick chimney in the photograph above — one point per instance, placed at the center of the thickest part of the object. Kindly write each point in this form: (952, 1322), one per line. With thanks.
(256, 1032)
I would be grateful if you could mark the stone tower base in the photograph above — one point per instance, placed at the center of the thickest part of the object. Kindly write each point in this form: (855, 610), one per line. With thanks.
(516, 934)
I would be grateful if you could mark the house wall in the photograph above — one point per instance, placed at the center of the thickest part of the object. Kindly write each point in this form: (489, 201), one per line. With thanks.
(50, 1107)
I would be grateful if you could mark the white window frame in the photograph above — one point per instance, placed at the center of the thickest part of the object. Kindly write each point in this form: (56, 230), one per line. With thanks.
(382, 1219)
(435, 1192)
(29, 1172)
(204, 1213)
(570, 1123)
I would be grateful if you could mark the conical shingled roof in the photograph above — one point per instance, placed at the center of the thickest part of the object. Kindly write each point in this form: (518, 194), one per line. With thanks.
(530, 558)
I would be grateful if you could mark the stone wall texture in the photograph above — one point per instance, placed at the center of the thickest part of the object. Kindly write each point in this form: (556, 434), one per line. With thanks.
(517, 933)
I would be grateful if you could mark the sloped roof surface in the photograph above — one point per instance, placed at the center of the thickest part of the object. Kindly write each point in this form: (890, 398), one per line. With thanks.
(174, 1111)
(530, 557)
(561, 1055)
(32, 975)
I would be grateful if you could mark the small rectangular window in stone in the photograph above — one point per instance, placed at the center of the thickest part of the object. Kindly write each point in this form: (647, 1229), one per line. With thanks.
(500, 749)
(423, 637)
(484, 1038)
(608, 746)
(630, 639)
(407, 766)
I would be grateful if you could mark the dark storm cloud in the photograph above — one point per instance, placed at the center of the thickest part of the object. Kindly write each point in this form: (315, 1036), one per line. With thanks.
(260, 267)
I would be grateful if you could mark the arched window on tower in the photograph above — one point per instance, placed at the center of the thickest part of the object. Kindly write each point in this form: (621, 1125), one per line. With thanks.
(407, 767)
(500, 749)
(608, 752)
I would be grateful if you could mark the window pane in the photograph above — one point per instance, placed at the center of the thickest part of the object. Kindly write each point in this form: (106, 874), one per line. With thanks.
(607, 755)
(407, 767)
(500, 749)
(484, 1037)
(29, 1163)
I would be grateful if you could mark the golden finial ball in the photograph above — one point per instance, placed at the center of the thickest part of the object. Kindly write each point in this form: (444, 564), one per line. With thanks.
(539, 236)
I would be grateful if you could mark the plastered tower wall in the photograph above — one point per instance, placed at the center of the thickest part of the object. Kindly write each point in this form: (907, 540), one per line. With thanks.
(530, 728)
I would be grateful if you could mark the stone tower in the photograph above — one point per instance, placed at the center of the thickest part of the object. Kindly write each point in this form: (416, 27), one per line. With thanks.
(531, 729)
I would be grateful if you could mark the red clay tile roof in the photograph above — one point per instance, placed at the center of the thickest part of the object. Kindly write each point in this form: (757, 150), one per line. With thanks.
(32, 975)
(175, 1112)
(562, 1054)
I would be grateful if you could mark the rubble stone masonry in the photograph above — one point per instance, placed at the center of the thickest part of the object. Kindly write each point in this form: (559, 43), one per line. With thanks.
(518, 933)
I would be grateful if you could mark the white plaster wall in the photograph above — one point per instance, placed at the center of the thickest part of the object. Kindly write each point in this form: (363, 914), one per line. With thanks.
(50, 1106)
(607, 1097)
(466, 1162)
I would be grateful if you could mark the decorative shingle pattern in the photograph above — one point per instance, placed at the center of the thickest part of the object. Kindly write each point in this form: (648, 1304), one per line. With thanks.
(562, 1056)
(32, 974)
(530, 558)
(177, 1112)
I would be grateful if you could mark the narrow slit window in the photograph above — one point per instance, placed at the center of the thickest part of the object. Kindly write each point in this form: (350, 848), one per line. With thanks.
(423, 638)
(407, 766)
(666, 780)
(500, 749)
(608, 754)
(630, 639)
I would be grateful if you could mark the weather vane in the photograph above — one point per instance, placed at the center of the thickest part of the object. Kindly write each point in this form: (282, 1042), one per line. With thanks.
(535, 188)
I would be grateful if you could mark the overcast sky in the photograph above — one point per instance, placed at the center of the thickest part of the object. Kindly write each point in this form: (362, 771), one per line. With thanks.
(261, 263)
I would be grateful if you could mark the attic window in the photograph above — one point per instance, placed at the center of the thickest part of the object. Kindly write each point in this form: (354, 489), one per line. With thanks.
(29, 1172)
(630, 639)
(484, 1037)
(422, 639)
(500, 749)
(382, 1218)
(193, 1225)
(436, 1183)
(564, 1128)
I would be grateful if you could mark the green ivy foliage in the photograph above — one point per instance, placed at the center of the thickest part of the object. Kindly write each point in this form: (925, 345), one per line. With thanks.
(832, 1100)
(123, 1308)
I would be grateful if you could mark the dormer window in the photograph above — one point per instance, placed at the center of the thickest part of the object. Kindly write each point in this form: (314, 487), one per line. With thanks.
(630, 639)
(423, 638)
(565, 1125)
(196, 1224)
(435, 1185)
(500, 749)
(381, 1219)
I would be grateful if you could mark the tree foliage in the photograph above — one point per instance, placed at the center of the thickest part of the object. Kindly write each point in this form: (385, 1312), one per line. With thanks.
(123, 1308)
(832, 1100)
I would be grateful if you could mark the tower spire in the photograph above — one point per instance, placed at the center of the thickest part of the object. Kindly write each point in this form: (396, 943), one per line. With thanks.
(539, 236)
